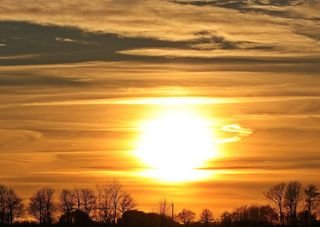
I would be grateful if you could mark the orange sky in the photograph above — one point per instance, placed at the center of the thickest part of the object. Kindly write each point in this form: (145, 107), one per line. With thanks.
(76, 86)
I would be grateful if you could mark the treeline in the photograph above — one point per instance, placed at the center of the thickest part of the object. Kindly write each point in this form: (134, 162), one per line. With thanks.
(291, 204)
(106, 204)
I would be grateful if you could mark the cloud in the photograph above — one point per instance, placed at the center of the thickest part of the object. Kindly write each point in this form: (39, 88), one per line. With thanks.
(277, 8)
(236, 129)
(77, 77)
(205, 52)
(16, 138)
(29, 43)
(24, 79)
(212, 26)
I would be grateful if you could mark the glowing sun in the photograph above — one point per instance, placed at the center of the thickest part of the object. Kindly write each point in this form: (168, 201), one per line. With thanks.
(175, 145)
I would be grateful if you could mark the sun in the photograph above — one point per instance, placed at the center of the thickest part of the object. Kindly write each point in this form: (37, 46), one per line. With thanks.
(175, 145)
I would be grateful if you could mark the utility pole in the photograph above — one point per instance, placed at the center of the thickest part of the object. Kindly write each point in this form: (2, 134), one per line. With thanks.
(172, 211)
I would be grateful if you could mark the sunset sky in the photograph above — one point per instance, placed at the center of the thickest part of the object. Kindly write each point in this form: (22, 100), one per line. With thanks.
(103, 89)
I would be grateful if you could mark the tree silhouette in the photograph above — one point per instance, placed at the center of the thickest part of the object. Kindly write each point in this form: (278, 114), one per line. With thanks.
(88, 200)
(3, 191)
(276, 195)
(250, 215)
(311, 194)
(292, 199)
(186, 216)
(206, 216)
(226, 218)
(14, 206)
(164, 208)
(126, 203)
(114, 189)
(84, 199)
(113, 201)
(42, 205)
(77, 197)
(114, 207)
(104, 204)
(67, 204)
(11, 206)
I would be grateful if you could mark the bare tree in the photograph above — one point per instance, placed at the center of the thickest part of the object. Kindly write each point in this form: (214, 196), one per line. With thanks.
(311, 193)
(42, 205)
(126, 203)
(268, 214)
(104, 204)
(226, 218)
(276, 195)
(88, 200)
(36, 207)
(67, 203)
(292, 199)
(164, 207)
(50, 206)
(77, 198)
(317, 208)
(11, 206)
(115, 196)
(206, 216)
(80, 199)
(111, 201)
(3, 192)
(186, 216)
(246, 215)
(14, 206)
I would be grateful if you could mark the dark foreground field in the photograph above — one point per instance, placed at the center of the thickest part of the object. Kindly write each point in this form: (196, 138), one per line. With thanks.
(137, 218)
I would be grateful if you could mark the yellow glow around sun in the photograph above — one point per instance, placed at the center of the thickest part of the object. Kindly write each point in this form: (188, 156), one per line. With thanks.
(175, 145)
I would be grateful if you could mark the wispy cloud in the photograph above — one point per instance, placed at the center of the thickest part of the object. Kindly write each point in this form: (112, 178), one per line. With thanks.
(216, 25)
(236, 129)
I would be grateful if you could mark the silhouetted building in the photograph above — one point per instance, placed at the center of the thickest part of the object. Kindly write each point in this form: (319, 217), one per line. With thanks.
(75, 217)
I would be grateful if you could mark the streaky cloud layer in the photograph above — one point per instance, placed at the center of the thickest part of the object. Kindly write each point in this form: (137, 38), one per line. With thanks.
(78, 77)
